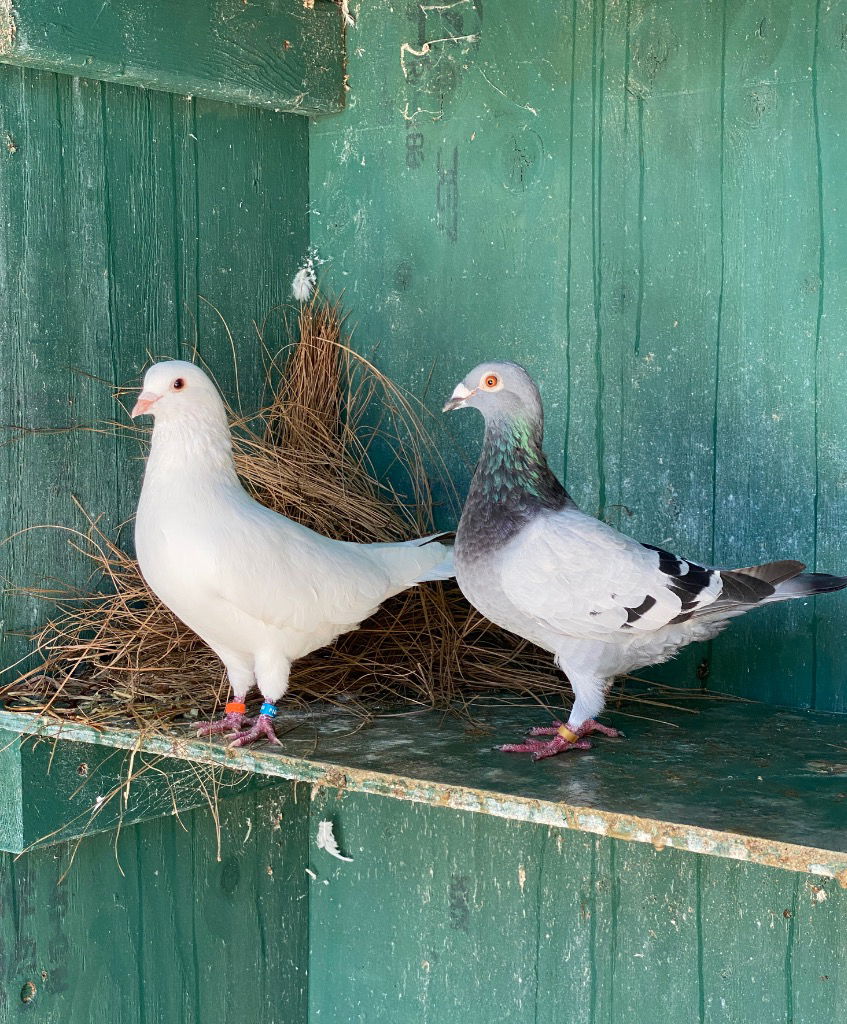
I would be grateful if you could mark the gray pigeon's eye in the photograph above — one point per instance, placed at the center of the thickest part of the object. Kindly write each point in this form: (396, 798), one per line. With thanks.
(491, 381)
(178, 384)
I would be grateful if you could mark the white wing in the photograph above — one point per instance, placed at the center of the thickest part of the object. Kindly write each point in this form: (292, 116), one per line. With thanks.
(259, 564)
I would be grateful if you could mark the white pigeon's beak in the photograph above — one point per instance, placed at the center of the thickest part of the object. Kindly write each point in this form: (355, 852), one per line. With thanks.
(457, 400)
(145, 400)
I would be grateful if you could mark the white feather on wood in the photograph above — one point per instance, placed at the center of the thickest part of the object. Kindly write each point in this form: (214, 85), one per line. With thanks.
(326, 841)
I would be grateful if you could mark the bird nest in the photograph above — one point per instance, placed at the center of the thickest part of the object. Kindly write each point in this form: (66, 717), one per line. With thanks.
(116, 655)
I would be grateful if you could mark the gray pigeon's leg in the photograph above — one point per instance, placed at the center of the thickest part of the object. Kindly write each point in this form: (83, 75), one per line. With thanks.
(583, 730)
(589, 697)
(564, 738)
(234, 720)
(272, 672)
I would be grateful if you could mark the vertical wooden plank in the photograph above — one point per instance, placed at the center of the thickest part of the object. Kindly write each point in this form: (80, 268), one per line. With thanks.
(575, 920)
(745, 916)
(816, 981)
(438, 916)
(156, 928)
(829, 110)
(57, 323)
(252, 231)
(653, 934)
(765, 460)
(118, 208)
(671, 285)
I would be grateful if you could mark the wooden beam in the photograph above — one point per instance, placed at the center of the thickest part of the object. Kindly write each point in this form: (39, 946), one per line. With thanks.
(287, 55)
(770, 799)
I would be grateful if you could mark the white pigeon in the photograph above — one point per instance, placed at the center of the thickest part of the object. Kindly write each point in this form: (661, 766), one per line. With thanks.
(259, 589)
(528, 559)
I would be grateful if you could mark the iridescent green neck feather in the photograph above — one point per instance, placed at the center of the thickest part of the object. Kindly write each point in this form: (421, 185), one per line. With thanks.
(511, 486)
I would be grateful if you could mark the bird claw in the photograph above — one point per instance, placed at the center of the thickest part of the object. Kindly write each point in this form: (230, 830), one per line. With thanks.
(545, 730)
(558, 744)
(263, 728)
(540, 749)
(233, 721)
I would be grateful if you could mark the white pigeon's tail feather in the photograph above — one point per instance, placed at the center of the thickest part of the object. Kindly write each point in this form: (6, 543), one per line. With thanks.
(445, 570)
(415, 561)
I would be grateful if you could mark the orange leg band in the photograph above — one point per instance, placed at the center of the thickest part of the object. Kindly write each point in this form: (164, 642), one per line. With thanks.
(235, 707)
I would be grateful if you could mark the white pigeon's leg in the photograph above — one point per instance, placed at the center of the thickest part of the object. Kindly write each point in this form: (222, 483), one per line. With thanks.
(240, 676)
(589, 698)
(272, 673)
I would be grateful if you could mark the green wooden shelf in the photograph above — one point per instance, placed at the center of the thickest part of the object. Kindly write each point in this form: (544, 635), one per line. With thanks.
(281, 54)
(740, 781)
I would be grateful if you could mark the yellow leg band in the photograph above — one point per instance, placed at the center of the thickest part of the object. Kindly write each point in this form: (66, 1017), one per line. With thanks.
(568, 734)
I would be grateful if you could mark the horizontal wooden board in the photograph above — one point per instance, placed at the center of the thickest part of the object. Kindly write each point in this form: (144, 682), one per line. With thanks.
(281, 54)
(733, 780)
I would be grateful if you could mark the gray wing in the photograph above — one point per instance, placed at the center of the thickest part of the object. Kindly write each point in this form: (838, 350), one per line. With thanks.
(575, 573)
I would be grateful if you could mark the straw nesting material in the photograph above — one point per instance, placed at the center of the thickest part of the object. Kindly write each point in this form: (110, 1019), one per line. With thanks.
(116, 652)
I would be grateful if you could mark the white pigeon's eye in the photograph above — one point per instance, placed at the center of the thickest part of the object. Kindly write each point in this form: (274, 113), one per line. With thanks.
(491, 381)
(178, 384)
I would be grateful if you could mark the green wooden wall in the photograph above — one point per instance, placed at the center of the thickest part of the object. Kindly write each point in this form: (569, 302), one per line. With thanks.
(644, 201)
(121, 211)
(446, 916)
(151, 925)
(442, 916)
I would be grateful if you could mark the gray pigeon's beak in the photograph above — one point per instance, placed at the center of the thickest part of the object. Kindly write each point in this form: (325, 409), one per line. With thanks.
(457, 400)
(145, 400)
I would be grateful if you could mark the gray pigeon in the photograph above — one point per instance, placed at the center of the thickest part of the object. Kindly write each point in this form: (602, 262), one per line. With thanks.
(528, 559)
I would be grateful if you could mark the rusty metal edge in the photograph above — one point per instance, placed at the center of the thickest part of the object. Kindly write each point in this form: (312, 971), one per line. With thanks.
(659, 834)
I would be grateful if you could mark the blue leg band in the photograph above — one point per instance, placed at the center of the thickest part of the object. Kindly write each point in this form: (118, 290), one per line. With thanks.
(268, 709)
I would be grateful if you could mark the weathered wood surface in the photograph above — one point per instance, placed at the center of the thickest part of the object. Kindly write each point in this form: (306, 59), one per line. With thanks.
(445, 917)
(121, 211)
(736, 780)
(54, 791)
(442, 914)
(151, 924)
(644, 202)
(281, 54)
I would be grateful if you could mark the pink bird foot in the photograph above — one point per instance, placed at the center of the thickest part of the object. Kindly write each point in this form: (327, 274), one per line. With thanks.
(574, 741)
(233, 721)
(263, 728)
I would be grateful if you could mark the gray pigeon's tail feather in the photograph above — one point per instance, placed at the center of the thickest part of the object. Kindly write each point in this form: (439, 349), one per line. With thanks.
(754, 585)
(777, 581)
(808, 584)
(773, 572)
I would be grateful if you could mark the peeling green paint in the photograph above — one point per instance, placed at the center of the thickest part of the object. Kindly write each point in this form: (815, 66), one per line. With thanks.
(376, 760)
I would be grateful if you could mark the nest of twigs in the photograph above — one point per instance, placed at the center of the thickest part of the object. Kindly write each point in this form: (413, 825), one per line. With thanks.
(114, 654)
